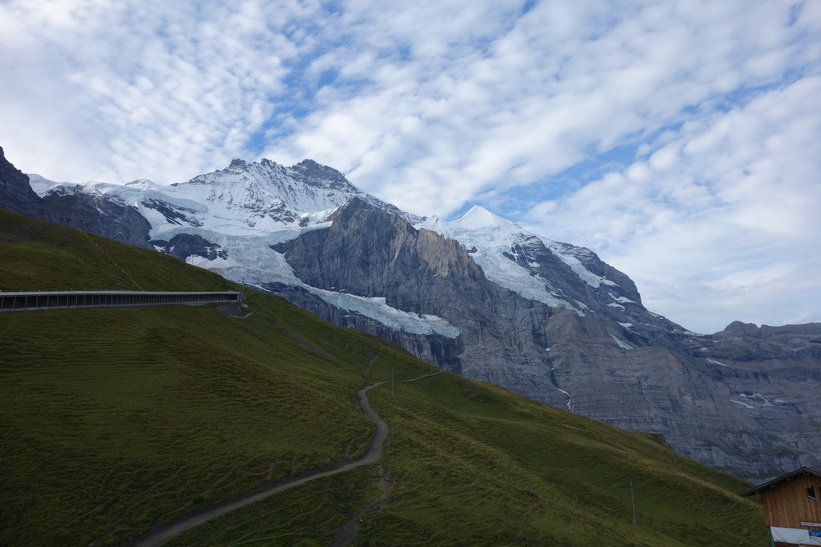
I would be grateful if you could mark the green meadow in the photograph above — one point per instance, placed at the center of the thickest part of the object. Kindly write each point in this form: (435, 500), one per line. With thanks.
(114, 421)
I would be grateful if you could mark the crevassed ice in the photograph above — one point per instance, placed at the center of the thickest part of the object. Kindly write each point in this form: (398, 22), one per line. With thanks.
(377, 309)
(276, 269)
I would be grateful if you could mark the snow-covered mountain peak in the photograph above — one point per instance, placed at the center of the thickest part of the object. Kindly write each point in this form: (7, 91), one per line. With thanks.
(479, 218)
(243, 199)
(497, 244)
(514, 258)
(321, 176)
(257, 197)
(42, 185)
(484, 229)
(267, 177)
(143, 183)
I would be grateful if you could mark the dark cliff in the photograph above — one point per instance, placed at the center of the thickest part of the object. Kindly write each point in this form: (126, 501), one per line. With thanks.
(94, 214)
(16, 194)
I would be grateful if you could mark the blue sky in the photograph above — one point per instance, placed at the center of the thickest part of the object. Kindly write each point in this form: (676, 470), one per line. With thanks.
(681, 141)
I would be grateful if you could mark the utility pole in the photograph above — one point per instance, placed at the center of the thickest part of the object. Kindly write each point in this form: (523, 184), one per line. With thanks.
(633, 499)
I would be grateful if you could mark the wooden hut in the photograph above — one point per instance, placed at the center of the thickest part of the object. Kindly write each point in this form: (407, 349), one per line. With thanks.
(792, 507)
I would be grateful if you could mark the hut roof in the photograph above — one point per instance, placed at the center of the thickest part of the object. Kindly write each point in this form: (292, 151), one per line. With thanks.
(783, 478)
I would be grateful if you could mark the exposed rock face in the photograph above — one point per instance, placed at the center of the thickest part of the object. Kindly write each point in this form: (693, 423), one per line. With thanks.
(94, 214)
(616, 362)
(16, 194)
(754, 419)
(98, 215)
(184, 245)
(441, 350)
(481, 297)
(372, 253)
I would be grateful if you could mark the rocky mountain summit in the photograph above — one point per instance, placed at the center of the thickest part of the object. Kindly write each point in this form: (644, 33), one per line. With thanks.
(479, 296)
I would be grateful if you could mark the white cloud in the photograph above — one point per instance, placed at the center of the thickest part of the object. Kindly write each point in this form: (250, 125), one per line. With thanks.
(720, 223)
(132, 89)
(633, 127)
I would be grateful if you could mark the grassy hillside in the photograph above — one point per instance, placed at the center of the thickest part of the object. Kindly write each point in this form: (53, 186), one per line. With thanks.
(112, 420)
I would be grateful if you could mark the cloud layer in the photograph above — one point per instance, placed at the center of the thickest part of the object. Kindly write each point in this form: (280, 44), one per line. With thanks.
(679, 140)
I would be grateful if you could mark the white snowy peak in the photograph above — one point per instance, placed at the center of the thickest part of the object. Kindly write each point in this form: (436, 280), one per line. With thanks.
(479, 218)
(510, 255)
(268, 188)
(243, 199)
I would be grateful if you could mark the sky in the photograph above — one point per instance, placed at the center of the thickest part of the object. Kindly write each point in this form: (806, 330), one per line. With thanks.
(679, 140)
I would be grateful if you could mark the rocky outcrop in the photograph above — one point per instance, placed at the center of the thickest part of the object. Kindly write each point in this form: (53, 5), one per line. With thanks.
(184, 245)
(76, 209)
(746, 342)
(99, 215)
(16, 194)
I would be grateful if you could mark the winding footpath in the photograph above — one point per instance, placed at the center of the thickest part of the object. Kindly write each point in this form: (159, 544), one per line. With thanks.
(183, 524)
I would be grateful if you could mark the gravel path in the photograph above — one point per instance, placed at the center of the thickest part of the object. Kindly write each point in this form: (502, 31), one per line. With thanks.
(177, 527)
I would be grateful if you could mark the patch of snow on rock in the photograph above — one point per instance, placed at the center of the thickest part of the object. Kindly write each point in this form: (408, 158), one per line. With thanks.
(622, 344)
(570, 256)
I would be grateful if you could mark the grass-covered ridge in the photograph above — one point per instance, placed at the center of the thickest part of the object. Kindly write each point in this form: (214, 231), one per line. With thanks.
(112, 420)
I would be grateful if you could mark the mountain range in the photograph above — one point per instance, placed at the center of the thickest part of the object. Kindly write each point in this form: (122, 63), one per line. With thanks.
(126, 426)
(478, 296)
